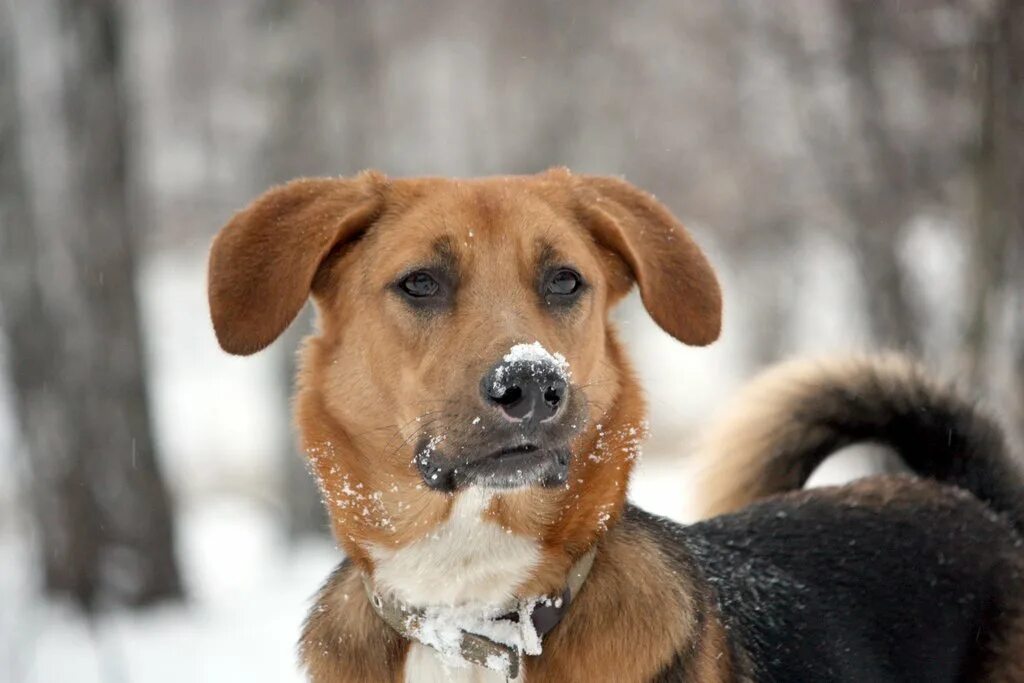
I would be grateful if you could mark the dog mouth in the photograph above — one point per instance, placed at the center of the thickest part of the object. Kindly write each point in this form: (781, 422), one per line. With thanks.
(521, 449)
(509, 467)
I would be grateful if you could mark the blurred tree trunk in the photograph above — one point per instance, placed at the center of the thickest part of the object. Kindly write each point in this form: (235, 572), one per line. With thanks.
(874, 176)
(994, 193)
(880, 204)
(295, 146)
(1010, 141)
(997, 243)
(69, 310)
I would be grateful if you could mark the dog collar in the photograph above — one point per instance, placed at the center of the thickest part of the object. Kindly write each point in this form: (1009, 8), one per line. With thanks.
(534, 618)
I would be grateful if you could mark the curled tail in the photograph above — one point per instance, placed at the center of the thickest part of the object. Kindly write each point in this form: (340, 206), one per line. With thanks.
(793, 416)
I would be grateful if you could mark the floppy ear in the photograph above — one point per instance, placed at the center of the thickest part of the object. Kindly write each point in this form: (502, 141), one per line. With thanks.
(677, 284)
(264, 261)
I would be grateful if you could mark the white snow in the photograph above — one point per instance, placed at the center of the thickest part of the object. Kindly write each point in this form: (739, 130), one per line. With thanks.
(441, 627)
(497, 662)
(534, 353)
(249, 591)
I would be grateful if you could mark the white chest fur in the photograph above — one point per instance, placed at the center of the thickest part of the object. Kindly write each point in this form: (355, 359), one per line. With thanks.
(465, 560)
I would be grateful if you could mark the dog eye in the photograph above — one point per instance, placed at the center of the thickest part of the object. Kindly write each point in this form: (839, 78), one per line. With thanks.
(419, 285)
(563, 283)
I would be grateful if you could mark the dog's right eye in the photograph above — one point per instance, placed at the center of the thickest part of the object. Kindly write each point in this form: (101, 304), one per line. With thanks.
(419, 285)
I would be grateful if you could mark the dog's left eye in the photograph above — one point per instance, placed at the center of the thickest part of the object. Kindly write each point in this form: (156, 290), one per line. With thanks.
(563, 282)
(419, 285)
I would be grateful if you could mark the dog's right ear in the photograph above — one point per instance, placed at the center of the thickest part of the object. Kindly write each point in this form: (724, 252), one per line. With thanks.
(264, 261)
(678, 286)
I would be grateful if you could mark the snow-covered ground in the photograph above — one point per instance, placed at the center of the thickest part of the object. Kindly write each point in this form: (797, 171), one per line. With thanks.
(248, 593)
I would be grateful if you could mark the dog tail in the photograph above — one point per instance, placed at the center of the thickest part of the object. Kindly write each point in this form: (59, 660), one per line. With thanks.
(788, 420)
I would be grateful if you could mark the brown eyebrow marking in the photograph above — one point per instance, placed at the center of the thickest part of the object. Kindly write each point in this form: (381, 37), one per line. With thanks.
(446, 254)
(547, 255)
(444, 260)
(444, 248)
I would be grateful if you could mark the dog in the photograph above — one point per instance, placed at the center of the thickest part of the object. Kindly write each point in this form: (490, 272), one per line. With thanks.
(472, 420)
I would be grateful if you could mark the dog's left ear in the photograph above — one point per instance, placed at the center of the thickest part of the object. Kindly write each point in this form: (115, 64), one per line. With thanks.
(264, 262)
(677, 284)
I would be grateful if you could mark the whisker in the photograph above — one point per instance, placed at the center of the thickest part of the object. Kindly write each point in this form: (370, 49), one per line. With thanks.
(594, 384)
(418, 418)
(419, 430)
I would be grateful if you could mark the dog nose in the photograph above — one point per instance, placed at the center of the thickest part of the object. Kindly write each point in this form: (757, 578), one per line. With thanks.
(530, 392)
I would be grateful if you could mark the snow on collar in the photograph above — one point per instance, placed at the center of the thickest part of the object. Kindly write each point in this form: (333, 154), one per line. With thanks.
(492, 637)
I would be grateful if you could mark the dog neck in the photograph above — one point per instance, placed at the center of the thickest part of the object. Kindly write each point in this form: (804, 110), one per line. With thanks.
(494, 637)
(468, 558)
(455, 589)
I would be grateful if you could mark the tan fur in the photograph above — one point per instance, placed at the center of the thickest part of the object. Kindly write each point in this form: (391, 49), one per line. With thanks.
(736, 461)
(714, 660)
(894, 490)
(1006, 663)
(345, 640)
(376, 377)
(616, 630)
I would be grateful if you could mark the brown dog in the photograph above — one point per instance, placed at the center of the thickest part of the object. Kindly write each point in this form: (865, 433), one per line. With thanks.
(472, 421)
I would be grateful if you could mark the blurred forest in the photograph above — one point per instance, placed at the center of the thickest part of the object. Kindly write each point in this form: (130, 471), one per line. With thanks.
(855, 168)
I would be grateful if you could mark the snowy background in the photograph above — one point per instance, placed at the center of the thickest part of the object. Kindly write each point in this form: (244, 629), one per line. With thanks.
(835, 159)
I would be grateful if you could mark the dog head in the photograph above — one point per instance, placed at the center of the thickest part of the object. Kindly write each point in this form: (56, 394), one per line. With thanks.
(463, 339)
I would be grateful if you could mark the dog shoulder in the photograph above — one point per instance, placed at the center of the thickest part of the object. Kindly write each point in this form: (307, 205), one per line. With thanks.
(344, 640)
(797, 574)
(643, 614)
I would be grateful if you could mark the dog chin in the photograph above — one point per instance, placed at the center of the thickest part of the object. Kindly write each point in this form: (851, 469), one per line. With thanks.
(505, 469)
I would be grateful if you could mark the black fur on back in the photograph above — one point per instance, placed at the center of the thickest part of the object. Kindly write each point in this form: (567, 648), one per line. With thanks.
(830, 585)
